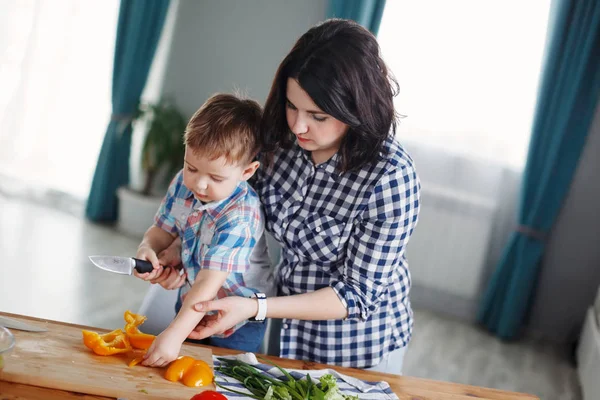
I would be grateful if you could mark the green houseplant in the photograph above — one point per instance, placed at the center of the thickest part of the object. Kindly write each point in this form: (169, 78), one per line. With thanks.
(163, 146)
(161, 157)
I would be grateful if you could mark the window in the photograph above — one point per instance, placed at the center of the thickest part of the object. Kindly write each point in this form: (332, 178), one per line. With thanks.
(468, 72)
(55, 73)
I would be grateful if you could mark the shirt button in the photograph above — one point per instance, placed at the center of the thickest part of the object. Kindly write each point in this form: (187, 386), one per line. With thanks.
(186, 253)
(285, 326)
(298, 197)
(318, 229)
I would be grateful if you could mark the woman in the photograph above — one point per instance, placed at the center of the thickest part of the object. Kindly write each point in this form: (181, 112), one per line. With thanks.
(341, 196)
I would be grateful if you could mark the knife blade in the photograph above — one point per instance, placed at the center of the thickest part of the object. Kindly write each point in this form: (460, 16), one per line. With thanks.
(126, 265)
(18, 325)
(121, 265)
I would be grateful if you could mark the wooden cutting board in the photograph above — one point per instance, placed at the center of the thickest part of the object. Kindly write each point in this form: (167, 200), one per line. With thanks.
(58, 359)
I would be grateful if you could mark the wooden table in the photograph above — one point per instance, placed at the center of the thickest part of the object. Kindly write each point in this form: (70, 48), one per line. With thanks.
(405, 387)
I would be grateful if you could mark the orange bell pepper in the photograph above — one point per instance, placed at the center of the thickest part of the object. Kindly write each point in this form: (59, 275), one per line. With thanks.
(114, 342)
(191, 372)
(138, 339)
(135, 361)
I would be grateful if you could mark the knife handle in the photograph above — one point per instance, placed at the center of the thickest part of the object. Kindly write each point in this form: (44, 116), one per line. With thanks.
(143, 266)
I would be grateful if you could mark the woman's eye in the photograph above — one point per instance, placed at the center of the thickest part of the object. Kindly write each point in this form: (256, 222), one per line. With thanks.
(290, 105)
(319, 119)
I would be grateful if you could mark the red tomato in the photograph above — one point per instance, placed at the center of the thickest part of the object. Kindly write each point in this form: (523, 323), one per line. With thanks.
(209, 395)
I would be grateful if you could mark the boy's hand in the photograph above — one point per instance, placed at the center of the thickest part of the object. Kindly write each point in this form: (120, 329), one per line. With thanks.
(146, 253)
(164, 349)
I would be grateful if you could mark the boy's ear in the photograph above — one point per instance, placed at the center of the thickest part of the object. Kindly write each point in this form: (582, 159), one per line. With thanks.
(250, 170)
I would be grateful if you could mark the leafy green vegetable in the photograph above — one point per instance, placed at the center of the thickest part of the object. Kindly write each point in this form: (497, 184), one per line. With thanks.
(265, 387)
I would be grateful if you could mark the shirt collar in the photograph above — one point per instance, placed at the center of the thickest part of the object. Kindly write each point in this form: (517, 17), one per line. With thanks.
(216, 208)
(329, 166)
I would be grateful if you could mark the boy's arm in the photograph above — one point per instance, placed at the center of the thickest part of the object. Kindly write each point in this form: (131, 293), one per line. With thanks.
(205, 287)
(228, 252)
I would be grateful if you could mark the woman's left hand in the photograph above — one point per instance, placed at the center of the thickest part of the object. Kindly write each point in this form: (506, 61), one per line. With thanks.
(171, 278)
(230, 311)
(171, 256)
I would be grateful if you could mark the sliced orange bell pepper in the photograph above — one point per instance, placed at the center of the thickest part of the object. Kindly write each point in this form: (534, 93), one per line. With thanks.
(135, 361)
(199, 375)
(138, 339)
(178, 367)
(114, 342)
(191, 372)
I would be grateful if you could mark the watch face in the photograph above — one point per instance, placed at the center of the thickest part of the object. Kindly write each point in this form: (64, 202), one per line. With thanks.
(260, 295)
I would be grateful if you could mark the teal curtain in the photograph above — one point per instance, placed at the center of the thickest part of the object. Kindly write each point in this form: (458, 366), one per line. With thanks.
(366, 12)
(138, 31)
(567, 101)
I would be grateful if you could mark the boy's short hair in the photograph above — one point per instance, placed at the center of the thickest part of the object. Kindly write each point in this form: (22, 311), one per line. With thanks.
(225, 126)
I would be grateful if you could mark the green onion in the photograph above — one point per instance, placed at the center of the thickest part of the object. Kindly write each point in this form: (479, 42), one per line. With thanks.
(266, 387)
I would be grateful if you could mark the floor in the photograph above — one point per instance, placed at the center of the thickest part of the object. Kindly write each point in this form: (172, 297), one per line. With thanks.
(46, 273)
(450, 350)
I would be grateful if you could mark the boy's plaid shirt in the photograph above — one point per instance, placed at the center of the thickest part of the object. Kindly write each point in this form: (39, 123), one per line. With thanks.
(217, 236)
(348, 232)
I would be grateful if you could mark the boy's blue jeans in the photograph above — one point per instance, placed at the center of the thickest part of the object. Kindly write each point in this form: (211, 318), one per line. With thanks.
(248, 338)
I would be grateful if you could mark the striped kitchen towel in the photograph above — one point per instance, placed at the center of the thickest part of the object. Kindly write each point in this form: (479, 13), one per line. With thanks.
(348, 385)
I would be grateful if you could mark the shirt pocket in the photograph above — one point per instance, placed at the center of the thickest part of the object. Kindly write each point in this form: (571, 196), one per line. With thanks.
(319, 238)
(206, 234)
(181, 212)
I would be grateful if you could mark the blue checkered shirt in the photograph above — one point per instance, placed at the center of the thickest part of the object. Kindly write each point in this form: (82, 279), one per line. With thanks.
(349, 232)
(216, 236)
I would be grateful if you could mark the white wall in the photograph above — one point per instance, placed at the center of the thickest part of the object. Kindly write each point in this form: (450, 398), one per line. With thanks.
(222, 45)
(230, 44)
(570, 270)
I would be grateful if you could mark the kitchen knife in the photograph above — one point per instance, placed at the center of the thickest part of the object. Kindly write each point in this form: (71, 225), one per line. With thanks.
(18, 325)
(121, 265)
(126, 265)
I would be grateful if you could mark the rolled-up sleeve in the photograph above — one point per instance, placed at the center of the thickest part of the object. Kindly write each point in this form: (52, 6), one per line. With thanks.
(376, 248)
(231, 246)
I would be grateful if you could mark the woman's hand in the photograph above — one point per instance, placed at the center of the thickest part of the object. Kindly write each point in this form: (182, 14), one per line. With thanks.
(230, 311)
(171, 256)
(171, 278)
(169, 274)
(173, 275)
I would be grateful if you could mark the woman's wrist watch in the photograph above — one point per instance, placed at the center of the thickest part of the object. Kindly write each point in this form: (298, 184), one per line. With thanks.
(262, 307)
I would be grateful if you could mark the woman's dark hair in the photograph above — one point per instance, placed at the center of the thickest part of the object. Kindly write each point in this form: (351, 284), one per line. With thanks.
(338, 64)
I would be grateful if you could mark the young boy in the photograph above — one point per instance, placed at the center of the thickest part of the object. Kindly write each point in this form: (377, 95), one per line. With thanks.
(211, 208)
